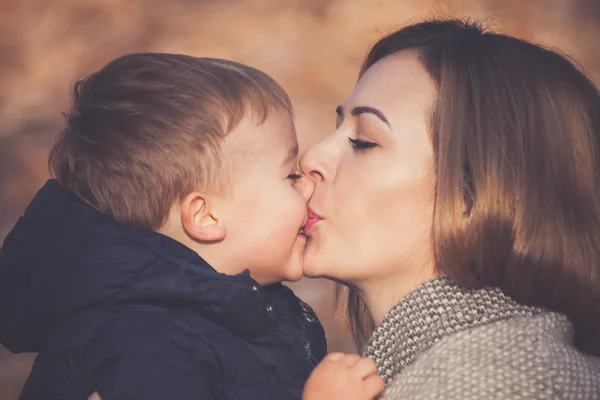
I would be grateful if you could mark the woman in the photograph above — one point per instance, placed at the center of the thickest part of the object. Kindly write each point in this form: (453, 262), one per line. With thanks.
(459, 200)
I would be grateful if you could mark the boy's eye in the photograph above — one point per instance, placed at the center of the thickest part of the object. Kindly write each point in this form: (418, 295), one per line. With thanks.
(294, 176)
(360, 146)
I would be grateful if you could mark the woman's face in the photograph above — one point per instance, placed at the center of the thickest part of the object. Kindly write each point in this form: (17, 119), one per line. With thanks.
(374, 179)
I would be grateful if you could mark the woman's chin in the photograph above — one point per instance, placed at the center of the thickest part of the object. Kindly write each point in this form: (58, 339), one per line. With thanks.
(308, 274)
(315, 261)
(311, 269)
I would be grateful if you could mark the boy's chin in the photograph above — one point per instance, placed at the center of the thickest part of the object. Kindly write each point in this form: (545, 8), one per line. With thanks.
(294, 273)
(291, 271)
(294, 267)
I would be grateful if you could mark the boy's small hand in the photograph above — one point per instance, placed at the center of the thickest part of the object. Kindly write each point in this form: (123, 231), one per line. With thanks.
(344, 376)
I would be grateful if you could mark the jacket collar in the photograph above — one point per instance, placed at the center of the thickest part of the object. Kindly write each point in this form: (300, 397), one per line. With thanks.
(431, 312)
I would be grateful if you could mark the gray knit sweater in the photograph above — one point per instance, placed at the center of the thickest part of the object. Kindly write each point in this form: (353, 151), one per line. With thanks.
(446, 342)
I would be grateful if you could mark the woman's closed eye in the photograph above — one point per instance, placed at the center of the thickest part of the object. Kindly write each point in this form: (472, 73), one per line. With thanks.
(360, 146)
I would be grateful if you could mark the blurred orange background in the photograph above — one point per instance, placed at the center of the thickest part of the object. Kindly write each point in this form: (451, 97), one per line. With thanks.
(313, 48)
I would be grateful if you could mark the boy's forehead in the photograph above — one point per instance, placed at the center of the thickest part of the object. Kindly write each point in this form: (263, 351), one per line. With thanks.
(292, 153)
(275, 137)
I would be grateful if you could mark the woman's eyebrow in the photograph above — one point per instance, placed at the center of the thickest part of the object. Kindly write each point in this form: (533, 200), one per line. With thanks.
(356, 111)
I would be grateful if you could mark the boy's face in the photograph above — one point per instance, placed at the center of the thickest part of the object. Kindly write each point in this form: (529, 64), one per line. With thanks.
(265, 206)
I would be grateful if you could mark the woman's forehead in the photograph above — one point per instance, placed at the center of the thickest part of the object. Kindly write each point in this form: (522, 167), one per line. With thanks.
(395, 85)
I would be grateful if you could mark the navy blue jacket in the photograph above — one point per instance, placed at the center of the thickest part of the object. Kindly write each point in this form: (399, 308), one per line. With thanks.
(135, 314)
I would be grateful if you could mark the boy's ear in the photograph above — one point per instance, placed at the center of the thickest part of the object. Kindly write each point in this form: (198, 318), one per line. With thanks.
(200, 220)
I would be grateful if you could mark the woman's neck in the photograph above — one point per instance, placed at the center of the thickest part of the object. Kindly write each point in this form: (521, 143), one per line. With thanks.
(381, 295)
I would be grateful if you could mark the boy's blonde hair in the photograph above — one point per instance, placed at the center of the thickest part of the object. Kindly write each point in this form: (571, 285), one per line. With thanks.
(146, 130)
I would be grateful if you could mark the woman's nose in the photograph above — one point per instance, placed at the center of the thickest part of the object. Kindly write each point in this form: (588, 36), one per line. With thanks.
(307, 188)
(317, 164)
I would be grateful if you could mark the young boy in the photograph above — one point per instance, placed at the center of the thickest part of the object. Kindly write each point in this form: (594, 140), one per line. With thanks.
(150, 266)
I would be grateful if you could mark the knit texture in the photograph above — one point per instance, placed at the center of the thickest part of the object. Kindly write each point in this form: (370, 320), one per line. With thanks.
(443, 341)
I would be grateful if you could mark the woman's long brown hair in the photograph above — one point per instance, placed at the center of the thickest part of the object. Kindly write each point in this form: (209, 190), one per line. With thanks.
(515, 131)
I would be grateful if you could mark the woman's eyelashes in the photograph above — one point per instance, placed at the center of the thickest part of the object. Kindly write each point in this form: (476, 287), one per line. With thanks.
(360, 146)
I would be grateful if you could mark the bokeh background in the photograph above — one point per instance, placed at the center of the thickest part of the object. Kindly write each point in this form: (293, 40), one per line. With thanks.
(313, 48)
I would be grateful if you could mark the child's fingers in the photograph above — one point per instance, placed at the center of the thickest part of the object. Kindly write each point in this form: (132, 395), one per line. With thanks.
(94, 396)
(365, 367)
(334, 357)
(373, 386)
(350, 359)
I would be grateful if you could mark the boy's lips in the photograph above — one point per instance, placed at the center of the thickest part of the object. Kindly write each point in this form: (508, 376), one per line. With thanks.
(311, 219)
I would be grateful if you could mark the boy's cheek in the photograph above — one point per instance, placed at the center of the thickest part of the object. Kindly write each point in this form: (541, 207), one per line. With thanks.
(289, 221)
(282, 244)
